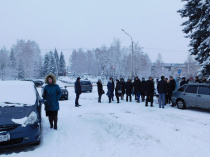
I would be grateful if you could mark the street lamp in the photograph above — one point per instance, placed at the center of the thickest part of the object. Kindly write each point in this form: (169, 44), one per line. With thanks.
(132, 51)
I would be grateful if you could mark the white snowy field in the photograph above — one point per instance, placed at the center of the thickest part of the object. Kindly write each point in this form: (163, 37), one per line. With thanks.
(121, 130)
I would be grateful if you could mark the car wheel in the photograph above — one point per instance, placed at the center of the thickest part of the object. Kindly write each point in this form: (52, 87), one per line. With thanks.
(180, 104)
(67, 99)
(91, 91)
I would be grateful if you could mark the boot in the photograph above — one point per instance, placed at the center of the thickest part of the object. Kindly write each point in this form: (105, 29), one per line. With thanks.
(55, 122)
(151, 105)
(51, 122)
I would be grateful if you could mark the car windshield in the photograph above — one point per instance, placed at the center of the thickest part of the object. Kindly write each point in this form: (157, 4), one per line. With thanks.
(17, 93)
(85, 83)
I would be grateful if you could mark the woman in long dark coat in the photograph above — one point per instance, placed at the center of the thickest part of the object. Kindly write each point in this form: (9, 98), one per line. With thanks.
(51, 95)
(118, 90)
(100, 90)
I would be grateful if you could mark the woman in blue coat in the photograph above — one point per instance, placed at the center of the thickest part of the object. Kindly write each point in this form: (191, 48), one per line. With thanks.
(51, 95)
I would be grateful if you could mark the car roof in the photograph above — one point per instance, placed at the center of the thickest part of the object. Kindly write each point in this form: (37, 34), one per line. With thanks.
(199, 84)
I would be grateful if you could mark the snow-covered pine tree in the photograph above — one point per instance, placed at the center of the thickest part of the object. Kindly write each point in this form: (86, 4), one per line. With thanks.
(197, 28)
(62, 64)
(45, 68)
(57, 59)
(21, 72)
(52, 64)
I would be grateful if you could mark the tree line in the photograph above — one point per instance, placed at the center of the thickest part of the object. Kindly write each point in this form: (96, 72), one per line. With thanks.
(24, 60)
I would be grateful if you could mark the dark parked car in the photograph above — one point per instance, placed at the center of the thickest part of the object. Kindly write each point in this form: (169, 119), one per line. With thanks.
(192, 95)
(64, 91)
(86, 86)
(37, 83)
(20, 113)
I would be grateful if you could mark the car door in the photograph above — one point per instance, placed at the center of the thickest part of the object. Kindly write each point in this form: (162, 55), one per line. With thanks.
(190, 95)
(203, 97)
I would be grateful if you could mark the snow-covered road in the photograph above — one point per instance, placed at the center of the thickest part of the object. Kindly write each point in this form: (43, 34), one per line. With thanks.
(121, 130)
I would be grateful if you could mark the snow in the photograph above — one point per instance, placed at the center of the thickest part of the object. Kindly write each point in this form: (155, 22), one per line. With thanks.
(21, 121)
(127, 129)
(22, 92)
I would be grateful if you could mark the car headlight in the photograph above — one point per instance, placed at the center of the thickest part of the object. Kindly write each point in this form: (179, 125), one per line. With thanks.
(32, 118)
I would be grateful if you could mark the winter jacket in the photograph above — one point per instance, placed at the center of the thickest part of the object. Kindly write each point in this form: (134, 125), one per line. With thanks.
(51, 95)
(183, 83)
(77, 86)
(128, 87)
(137, 86)
(172, 86)
(100, 88)
(143, 87)
(162, 87)
(149, 87)
(110, 89)
(123, 86)
(118, 87)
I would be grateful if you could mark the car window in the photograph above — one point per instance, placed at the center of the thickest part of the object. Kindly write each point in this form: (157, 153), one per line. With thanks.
(85, 83)
(182, 88)
(191, 89)
(204, 90)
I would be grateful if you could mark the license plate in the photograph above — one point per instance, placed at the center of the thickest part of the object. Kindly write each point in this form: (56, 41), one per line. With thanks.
(4, 138)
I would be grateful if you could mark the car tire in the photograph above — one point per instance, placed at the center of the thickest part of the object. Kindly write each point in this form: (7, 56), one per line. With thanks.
(180, 104)
(91, 91)
(67, 99)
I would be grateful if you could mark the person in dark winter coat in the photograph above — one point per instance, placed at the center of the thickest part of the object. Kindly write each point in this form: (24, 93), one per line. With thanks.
(143, 89)
(51, 94)
(204, 80)
(197, 79)
(172, 87)
(110, 90)
(100, 90)
(149, 91)
(167, 96)
(162, 90)
(128, 87)
(118, 90)
(122, 82)
(183, 82)
(137, 86)
(78, 91)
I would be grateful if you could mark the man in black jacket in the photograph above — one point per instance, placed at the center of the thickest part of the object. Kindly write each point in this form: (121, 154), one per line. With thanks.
(172, 87)
(137, 85)
(78, 91)
(143, 89)
(162, 90)
(122, 82)
(149, 91)
(100, 90)
(128, 87)
(183, 82)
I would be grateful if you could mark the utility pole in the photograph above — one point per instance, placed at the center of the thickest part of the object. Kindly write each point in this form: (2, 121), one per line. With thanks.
(131, 53)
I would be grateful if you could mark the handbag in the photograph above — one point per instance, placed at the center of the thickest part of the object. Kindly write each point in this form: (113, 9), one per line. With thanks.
(102, 92)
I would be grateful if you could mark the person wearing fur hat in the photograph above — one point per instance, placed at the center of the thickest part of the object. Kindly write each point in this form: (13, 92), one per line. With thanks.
(51, 95)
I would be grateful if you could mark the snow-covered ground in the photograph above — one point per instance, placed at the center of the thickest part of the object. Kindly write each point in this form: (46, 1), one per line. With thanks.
(121, 130)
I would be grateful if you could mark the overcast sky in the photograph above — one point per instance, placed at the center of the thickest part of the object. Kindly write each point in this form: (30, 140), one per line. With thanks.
(69, 24)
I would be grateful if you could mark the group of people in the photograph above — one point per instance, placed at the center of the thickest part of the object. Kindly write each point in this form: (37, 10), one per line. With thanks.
(137, 87)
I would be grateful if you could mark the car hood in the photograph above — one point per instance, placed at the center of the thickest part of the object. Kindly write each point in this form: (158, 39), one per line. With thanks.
(8, 113)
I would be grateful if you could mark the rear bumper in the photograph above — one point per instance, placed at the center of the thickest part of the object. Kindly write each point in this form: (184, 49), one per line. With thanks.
(22, 135)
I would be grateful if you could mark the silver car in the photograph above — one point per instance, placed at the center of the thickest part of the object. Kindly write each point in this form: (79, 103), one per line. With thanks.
(192, 95)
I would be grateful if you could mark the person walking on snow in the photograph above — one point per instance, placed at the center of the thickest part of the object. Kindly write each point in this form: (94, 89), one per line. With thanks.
(51, 94)
(149, 91)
